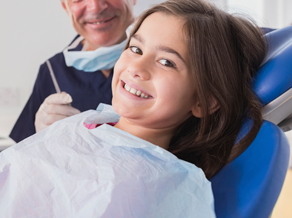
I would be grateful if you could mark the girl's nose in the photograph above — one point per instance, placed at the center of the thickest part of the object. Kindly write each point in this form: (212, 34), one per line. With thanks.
(139, 70)
(96, 5)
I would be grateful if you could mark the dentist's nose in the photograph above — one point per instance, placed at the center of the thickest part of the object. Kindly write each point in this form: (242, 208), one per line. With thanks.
(140, 70)
(96, 5)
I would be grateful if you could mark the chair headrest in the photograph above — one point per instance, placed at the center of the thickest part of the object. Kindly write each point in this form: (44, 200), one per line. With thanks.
(275, 75)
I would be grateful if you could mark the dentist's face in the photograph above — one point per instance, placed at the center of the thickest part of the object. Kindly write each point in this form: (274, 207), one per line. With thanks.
(100, 22)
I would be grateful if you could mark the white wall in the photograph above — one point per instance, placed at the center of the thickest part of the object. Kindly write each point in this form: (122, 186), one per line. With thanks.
(222, 4)
(278, 13)
(267, 13)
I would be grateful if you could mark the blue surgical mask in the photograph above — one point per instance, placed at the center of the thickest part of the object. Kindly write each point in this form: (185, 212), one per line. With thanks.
(103, 58)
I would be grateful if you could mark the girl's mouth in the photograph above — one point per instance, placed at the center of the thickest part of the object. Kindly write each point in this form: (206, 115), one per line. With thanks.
(136, 92)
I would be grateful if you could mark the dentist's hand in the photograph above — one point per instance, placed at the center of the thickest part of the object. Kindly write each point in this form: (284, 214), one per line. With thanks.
(55, 107)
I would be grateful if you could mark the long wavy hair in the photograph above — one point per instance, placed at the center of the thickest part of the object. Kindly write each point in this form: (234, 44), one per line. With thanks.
(226, 52)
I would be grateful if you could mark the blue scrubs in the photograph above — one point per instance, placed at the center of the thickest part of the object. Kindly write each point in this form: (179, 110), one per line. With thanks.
(87, 91)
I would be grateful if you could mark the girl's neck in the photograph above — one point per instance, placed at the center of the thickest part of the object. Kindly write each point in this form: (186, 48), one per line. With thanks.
(159, 137)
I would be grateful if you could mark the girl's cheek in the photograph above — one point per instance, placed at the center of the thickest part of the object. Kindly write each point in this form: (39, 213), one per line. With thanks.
(123, 62)
(118, 67)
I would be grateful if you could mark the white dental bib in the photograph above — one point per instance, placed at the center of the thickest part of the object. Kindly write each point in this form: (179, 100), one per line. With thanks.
(68, 170)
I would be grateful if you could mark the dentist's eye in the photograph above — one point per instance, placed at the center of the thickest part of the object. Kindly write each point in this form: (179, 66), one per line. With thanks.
(167, 63)
(136, 50)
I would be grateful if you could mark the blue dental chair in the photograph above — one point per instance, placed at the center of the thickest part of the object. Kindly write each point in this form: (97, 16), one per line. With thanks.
(249, 186)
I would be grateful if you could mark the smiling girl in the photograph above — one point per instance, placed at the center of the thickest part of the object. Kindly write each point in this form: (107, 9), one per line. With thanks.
(153, 89)
(181, 95)
(184, 82)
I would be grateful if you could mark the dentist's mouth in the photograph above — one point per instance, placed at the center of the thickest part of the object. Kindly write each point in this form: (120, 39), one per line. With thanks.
(101, 22)
(136, 92)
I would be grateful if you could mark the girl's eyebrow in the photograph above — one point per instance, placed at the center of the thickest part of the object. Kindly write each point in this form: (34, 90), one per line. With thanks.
(170, 50)
(138, 38)
(161, 48)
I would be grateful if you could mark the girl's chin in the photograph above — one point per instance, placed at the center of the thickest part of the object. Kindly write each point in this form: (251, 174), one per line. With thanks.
(126, 111)
(121, 109)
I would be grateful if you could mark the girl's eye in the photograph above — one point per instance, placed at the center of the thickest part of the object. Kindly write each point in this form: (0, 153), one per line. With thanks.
(136, 50)
(166, 63)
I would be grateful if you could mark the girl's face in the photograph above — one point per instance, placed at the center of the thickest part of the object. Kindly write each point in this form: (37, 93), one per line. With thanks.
(152, 85)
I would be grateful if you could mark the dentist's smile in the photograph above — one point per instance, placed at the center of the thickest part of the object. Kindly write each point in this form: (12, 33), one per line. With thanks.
(101, 23)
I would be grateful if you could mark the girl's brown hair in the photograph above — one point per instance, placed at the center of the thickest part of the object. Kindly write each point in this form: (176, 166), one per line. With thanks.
(225, 53)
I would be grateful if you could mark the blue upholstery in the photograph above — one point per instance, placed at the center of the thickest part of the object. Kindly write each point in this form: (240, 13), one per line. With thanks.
(275, 76)
(249, 186)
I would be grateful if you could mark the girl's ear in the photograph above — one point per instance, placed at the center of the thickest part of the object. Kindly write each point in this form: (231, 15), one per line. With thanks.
(214, 105)
(197, 109)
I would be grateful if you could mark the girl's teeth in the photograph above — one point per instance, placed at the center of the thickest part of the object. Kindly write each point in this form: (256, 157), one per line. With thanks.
(135, 92)
(128, 88)
(138, 93)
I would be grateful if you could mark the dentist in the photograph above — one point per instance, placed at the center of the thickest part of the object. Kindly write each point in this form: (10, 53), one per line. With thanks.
(79, 78)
